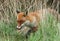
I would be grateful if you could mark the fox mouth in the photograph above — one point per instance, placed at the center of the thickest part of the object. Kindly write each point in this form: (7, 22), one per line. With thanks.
(26, 23)
(19, 28)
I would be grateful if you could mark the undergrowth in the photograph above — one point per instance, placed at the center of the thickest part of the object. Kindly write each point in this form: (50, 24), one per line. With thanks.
(47, 31)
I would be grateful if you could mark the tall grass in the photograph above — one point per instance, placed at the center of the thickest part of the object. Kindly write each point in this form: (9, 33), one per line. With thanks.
(48, 31)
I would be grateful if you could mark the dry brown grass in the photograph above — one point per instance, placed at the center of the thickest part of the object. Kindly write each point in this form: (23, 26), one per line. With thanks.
(8, 7)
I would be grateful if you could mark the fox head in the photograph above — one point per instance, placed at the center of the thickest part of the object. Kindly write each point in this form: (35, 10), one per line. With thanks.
(20, 19)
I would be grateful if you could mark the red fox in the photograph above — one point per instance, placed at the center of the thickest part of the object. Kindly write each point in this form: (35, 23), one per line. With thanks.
(32, 19)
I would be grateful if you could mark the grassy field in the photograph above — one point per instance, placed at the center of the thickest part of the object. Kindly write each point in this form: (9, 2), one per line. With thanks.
(49, 30)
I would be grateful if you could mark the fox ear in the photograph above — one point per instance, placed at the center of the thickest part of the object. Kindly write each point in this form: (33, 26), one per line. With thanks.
(17, 11)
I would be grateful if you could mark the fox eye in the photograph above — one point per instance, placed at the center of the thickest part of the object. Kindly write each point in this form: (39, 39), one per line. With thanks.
(18, 21)
(24, 15)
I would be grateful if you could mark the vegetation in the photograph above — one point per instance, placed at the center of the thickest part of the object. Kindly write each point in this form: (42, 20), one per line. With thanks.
(49, 29)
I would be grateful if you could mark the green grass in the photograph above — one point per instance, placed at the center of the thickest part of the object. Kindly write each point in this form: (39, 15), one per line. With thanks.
(48, 31)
